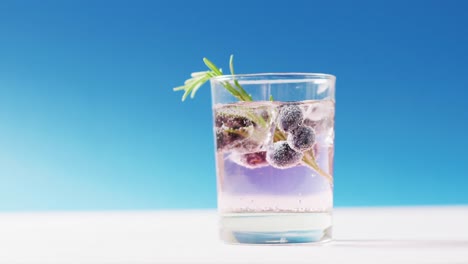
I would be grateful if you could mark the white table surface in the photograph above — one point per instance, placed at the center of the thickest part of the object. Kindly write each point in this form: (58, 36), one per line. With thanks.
(362, 235)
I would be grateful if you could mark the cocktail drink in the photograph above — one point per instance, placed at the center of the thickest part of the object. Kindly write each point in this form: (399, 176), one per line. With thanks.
(274, 157)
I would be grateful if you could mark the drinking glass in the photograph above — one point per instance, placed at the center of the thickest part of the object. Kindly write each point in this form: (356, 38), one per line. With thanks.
(274, 145)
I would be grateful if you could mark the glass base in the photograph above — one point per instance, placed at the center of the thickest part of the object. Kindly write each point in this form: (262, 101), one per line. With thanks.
(276, 228)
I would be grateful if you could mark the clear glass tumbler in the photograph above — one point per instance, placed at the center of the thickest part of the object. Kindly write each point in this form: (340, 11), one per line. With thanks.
(274, 135)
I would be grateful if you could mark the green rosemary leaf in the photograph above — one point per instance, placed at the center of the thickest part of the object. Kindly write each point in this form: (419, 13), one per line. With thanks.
(212, 67)
(178, 88)
(194, 79)
(187, 92)
(193, 84)
(199, 84)
(231, 64)
(245, 95)
(198, 74)
(233, 91)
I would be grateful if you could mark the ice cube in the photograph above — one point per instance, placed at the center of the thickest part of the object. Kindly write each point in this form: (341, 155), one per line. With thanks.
(319, 110)
(244, 127)
(250, 160)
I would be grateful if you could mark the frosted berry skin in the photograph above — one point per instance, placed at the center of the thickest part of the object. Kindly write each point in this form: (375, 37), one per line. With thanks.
(281, 155)
(290, 117)
(302, 138)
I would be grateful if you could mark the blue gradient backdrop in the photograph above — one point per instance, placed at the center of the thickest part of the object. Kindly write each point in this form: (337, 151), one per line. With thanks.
(88, 119)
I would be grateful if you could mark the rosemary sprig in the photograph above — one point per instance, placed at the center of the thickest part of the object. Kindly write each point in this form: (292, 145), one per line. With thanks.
(309, 159)
(198, 79)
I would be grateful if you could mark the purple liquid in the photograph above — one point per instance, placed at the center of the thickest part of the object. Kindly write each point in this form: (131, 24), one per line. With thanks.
(265, 188)
(239, 180)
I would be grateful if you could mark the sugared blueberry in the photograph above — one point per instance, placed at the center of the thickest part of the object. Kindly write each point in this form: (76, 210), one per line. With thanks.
(282, 156)
(302, 138)
(290, 117)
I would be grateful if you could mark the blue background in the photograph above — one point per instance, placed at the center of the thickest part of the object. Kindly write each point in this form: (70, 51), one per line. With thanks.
(88, 119)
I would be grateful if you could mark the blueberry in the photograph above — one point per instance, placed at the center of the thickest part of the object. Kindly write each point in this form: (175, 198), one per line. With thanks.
(232, 121)
(281, 155)
(302, 138)
(290, 117)
(251, 160)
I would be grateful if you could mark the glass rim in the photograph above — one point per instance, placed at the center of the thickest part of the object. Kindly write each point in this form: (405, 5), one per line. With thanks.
(287, 76)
